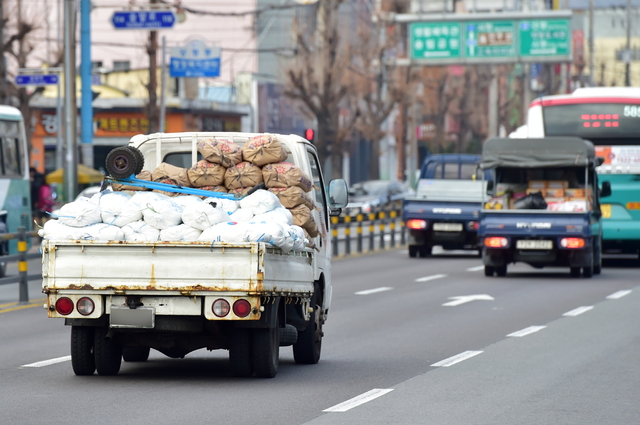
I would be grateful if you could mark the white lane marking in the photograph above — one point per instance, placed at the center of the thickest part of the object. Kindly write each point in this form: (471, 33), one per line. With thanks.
(48, 362)
(456, 359)
(373, 291)
(619, 294)
(578, 311)
(527, 331)
(428, 278)
(358, 400)
(475, 269)
(462, 299)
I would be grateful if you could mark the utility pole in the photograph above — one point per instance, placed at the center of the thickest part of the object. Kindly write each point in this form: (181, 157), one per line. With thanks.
(591, 49)
(70, 106)
(627, 70)
(152, 50)
(3, 64)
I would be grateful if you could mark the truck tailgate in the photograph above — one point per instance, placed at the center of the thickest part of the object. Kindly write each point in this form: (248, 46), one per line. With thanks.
(192, 267)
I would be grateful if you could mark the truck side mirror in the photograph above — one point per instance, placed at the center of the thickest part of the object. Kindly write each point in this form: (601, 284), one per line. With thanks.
(606, 189)
(490, 187)
(338, 196)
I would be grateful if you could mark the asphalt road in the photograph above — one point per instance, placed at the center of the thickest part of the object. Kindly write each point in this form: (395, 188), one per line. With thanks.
(392, 354)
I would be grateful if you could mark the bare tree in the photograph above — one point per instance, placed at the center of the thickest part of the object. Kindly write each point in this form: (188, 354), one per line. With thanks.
(319, 76)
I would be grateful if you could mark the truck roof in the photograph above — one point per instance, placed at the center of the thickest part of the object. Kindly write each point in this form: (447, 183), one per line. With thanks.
(453, 158)
(536, 153)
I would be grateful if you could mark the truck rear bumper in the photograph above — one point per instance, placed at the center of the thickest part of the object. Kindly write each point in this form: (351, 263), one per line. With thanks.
(449, 240)
(554, 257)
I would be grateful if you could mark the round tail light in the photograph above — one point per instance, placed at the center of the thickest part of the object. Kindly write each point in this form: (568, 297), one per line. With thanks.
(64, 306)
(85, 306)
(241, 308)
(220, 307)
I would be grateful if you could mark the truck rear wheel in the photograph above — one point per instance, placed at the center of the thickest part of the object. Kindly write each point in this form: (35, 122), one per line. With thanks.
(413, 251)
(82, 357)
(307, 349)
(266, 351)
(425, 251)
(501, 270)
(587, 271)
(135, 354)
(489, 271)
(240, 353)
(575, 271)
(107, 352)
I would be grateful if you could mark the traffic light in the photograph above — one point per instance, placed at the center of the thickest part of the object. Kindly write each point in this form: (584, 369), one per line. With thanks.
(310, 134)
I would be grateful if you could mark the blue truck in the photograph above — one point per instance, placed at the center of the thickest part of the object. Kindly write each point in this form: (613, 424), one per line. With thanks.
(445, 208)
(544, 208)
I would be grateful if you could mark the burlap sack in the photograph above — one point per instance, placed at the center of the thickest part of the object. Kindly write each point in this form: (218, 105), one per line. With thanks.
(302, 217)
(144, 175)
(293, 196)
(264, 149)
(239, 192)
(205, 173)
(220, 151)
(170, 174)
(285, 174)
(214, 188)
(244, 174)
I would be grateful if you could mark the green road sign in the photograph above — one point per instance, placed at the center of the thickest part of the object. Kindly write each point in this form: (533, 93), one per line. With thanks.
(544, 37)
(490, 39)
(435, 40)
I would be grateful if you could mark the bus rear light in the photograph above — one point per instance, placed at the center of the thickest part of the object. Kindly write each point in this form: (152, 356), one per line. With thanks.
(241, 308)
(416, 224)
(85, 306)
(64, 306)
(633, 205)
(220, 307)
(572, 243)
(496, 242)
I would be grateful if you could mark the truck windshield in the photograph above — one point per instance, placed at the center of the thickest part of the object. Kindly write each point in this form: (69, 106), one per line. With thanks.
(448, 171)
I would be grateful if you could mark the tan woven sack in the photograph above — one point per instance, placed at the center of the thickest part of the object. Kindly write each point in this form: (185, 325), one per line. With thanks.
(239, 192)
(221, 189)
(264, 149)
(285, 174)
(170, 174)
(244, 174)
(144, 175)
(302, 217)
(220, 151)
(205, 173)
(293, 196)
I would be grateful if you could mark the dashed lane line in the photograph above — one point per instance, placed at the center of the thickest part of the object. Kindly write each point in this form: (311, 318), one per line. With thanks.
(433, 277)
(374, 290)
(526, 331)
(619, 294)
(475, 269)
(358, 400)
(48, 362)
(456, 359)
(578, 311)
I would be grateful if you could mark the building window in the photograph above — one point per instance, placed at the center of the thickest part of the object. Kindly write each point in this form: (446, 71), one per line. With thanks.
(121, 65)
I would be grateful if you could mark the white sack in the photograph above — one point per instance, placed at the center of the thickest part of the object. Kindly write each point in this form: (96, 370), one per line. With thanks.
(277, 215)
(80, 214)
(279, 236)
(183, 201)
(181, 232)
(102, 232)
(241, 216)
(224, 232)
(140, 231)
(55, 230)
(158, 210)
(260, 201)
(117, 209)
(228, 205)
(297, 235)
(203, 215)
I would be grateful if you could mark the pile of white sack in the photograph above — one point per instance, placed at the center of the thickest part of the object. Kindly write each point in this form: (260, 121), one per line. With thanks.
(152, 216)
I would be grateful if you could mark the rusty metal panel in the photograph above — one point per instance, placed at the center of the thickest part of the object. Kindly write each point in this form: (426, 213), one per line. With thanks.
(163, 306)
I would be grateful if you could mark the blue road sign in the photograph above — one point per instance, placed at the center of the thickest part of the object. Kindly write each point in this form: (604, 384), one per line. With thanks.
(196, 59)
(143, 19)
(37, 80)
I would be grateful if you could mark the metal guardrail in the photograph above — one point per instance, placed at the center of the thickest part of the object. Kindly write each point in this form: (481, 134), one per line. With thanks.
(387, 223)
(21, 257)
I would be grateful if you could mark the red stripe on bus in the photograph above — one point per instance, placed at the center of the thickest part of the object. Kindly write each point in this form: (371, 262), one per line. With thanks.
(587, 100)
(536, 102)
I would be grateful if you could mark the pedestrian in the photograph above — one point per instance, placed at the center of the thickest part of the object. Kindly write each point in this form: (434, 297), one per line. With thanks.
(41, 197)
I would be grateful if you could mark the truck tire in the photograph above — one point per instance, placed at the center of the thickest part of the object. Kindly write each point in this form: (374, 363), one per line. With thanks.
(307, 349)
(139, 156)
(597, 261)
(135, 354)
(489, 271)
(82, 357)
(240, 353)
(107, 352)
(575, 271)
(413, 251)
(122, 162)
(587, 271)
(424, 251)
(266, 351)
(501, 270)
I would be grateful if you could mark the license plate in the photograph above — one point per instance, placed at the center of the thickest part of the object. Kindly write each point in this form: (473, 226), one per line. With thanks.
(125, 317)
(534, 244)
(606, 210)
(447, 227)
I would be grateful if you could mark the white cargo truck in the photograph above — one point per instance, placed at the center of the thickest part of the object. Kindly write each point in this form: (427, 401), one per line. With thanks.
(123, 298)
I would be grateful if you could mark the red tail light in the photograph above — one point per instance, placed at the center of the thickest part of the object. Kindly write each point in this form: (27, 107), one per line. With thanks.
(572, 243)
(241, 308)
(416, 224)
(496, 242)
(64, 306)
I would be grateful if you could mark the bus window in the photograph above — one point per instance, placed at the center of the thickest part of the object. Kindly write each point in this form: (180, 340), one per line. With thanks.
(11, 156)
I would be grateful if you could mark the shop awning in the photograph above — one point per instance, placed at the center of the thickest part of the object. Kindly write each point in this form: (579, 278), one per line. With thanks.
(86, 175)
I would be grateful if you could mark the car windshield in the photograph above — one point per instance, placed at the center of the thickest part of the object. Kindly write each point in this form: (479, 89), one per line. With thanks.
(374, 188)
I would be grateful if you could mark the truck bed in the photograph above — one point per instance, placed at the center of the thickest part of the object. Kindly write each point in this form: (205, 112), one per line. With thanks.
(179, 268)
